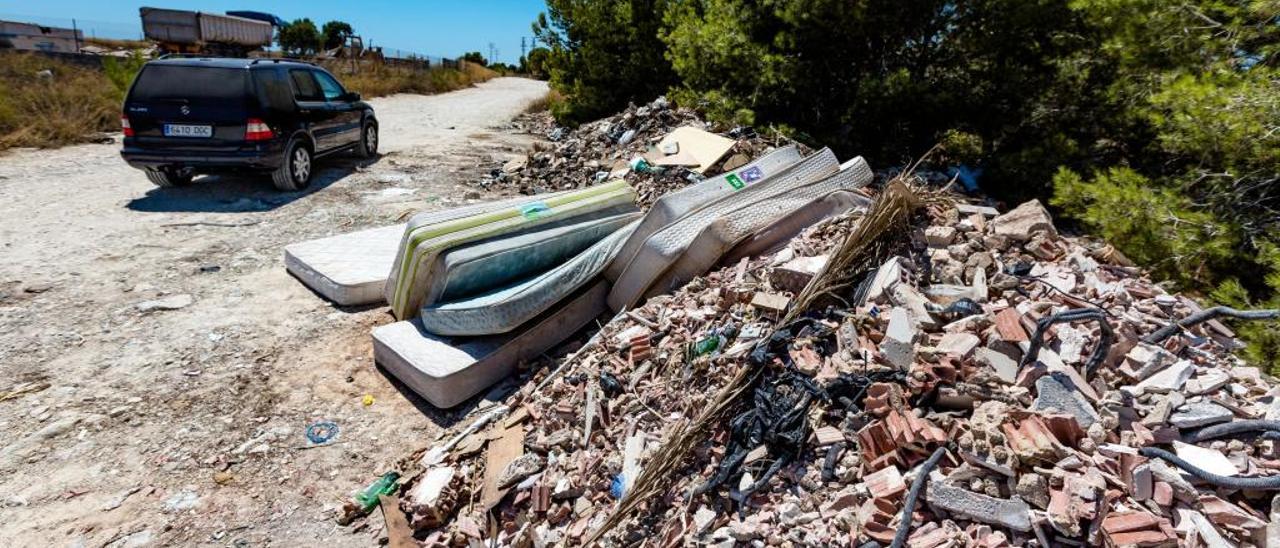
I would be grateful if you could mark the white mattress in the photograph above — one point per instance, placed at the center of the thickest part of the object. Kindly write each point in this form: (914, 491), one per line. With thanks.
(725, 233)
(348, 269)
(447, 372)
(502, 310)
(673, 205)
(410, 278)
(665, 246)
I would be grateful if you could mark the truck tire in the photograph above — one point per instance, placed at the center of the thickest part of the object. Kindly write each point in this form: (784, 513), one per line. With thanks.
(169, 177)
(295, 171)
(368, 145)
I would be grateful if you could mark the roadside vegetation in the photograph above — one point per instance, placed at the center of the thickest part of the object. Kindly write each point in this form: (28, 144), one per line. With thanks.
(377, 79)
(48, 102)
(1153, 124)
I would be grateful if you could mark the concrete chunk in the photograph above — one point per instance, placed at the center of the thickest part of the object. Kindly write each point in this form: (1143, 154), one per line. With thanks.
(1056, 392)
(1004, 366)
(1208, 459)
(1011, 513)
(1170, 379)
(1192, 415)
(1024, 221)
(899, 345)
(960, 344)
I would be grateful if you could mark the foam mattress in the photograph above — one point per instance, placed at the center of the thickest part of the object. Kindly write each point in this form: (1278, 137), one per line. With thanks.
(348, 269)
(503, 310)
(665, 246)
(447, 371)
(723, 234)
(480, 267)
(676, 204)
(411, 274)
(771, 238)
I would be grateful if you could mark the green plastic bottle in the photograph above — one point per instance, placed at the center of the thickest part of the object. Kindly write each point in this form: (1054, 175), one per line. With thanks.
(385, 485)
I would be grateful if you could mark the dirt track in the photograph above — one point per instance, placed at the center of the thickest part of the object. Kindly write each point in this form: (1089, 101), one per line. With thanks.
(185, 427)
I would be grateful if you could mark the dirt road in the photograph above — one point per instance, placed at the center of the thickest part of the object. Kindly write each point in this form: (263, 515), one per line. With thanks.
(182, 423)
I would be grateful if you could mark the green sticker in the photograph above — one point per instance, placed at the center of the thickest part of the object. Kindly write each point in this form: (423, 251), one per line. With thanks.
(534, 210)
(735, 182)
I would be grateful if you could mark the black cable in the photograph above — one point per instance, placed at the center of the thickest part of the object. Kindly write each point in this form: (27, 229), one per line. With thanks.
(1079, 314)
(909, 507)
(1256, 483)
(1206, 315)
(1269, 429)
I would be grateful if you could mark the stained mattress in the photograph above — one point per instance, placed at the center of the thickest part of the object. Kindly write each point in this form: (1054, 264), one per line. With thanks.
(804, 202)
(679, 203)
(478, 268)
(348, 269)
(503, 310)
(448, 371)
(411, 275)
(665, 246)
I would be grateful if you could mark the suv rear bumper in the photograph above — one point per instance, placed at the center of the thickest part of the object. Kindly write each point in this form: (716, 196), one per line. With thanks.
(266, 157)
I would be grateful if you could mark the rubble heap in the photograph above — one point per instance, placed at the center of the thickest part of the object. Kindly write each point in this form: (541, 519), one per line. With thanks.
(605, 149)
(1007, 385)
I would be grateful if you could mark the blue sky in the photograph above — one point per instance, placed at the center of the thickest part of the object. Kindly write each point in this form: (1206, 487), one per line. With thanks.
(429, 27)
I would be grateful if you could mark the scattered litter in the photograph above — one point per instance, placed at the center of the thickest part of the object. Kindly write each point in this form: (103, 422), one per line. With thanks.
(322, 432)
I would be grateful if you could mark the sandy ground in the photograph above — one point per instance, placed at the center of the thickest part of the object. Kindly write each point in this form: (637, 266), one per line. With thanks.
(186, 427)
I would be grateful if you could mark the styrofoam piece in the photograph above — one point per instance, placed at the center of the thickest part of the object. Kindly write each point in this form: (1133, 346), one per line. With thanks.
(480, 267)
(503, 310)
(773, 237)
(348, 269)
(447, 371)
(676, 204)
(410, 276)
(665, 246)
(724, 233)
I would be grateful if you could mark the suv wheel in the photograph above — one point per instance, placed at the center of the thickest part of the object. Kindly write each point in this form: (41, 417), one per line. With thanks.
(294, 172)
(169, 177)
(368, 146)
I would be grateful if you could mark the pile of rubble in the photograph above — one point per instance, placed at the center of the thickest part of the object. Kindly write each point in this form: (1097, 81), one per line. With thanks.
(607, 149)
(993, 383)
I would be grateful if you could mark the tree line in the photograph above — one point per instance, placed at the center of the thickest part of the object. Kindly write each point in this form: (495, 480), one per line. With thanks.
(1154, 124)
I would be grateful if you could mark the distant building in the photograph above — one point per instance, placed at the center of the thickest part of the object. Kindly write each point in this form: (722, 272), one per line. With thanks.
(29, 37)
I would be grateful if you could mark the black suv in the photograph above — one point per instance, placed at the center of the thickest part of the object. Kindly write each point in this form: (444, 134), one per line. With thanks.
(199, 115)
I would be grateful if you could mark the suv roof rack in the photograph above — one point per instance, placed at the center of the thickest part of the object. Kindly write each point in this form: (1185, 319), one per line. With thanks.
(185, 56)
(279, 59)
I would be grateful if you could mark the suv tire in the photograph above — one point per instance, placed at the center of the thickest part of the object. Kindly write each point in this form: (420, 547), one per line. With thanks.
(368, 146)
(169, 177)
(295, 171)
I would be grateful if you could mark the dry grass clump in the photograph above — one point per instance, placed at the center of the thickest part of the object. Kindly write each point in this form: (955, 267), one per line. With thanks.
(378, 79)
(68, 104)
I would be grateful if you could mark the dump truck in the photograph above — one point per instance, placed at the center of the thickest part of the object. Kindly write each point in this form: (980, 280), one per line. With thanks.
(182, 31)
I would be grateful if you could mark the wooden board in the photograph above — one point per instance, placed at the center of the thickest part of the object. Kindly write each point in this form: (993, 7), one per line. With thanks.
(705, 147)
(502, 450)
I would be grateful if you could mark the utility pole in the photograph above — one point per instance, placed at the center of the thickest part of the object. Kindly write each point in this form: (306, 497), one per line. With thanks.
(522, 47)
(491, 53)
(75, 35)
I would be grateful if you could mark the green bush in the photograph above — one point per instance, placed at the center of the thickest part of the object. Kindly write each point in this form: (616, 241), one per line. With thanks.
(603, 55)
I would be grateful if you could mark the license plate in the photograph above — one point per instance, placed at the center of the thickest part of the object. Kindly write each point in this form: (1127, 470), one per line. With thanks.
(182, 130)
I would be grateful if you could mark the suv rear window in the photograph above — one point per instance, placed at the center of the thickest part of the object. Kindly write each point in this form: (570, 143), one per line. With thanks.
(159, 82)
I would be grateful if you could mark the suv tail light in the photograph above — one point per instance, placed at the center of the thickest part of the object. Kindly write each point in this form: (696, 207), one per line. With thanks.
(124, 125)
(257, 130)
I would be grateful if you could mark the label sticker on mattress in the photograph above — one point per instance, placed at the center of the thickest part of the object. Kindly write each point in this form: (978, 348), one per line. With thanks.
(752, 174)
(735, 182)
(534, 210)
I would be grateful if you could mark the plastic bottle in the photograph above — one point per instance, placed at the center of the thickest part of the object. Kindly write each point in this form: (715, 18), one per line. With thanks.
(385, 485)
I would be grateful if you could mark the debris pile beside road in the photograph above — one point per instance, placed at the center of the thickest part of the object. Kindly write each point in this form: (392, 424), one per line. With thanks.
(975, 379)
(609, 148)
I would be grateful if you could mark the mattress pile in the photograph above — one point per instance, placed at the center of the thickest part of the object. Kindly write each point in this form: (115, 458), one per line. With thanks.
(478, 290)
